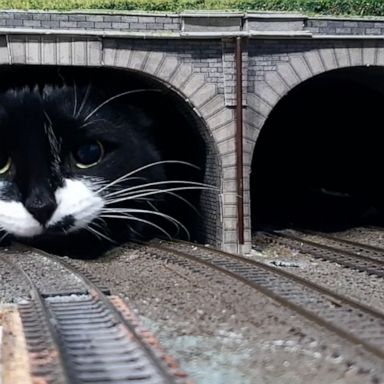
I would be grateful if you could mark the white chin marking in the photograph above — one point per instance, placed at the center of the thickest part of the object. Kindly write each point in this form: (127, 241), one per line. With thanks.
(16, 220)
(76, 199)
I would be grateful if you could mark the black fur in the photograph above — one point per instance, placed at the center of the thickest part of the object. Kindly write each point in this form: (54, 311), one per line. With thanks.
(41, 126)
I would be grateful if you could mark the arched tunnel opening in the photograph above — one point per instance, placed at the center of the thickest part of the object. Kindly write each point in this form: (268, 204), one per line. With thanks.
(318, 159)
(176, 136)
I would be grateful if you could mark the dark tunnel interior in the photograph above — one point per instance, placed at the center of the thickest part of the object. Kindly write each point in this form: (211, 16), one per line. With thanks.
(177, 131)
(318, 160)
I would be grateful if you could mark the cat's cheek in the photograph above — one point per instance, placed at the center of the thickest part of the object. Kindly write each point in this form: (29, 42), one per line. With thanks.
(17, 221)
(77, 201)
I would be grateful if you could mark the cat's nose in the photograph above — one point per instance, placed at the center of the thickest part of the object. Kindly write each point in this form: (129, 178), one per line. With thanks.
(41, 207)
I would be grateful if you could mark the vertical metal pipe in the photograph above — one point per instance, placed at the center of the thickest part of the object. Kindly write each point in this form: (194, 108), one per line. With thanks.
(239, 138)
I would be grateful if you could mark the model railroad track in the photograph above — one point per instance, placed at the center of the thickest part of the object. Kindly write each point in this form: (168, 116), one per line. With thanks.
(75, 333)
(364, 258)
(353, 321)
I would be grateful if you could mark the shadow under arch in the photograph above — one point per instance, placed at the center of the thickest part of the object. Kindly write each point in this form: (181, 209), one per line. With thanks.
(317, 162)
(180, 135)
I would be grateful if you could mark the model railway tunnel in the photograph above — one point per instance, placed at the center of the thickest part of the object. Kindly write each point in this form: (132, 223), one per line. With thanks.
(318, 159)
(175, 132)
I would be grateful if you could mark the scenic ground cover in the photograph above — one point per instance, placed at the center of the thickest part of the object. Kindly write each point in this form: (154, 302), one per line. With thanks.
(325, 7)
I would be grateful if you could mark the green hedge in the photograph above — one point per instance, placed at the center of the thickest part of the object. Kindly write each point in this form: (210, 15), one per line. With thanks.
(330, 7)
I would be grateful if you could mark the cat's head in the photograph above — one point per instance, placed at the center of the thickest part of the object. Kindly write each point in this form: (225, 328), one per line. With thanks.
(68, 154)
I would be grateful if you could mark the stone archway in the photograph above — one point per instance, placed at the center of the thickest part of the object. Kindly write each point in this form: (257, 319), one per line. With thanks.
(200, 97)
(317, 159)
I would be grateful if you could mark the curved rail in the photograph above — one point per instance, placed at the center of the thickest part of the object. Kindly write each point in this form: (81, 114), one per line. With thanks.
(344, 253)
(353, 247)
(97, 338)
(48, 362)
(339, 314)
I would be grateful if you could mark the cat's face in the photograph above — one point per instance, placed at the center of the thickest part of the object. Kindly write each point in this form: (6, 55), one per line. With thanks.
(67, 155)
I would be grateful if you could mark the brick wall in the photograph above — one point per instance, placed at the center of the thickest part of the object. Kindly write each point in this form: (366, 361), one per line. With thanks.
(279, 54)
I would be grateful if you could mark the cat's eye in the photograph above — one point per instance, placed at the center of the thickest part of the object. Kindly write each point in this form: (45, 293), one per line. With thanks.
(88, 154)
(5, 164)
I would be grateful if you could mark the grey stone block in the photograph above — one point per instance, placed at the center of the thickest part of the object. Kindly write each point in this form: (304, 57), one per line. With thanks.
(369, 55)
(288, 74)
(146, 19)
(342, 56)
(226, 132)
(68, 24)
(163, 20)
(32, 23)
(138, 26)
(102, 25)
(343, 31)
(198, 24)
(59, 17)
(212, 106)
(118, 25)
(7, 15)
(275, 81)
(171, 27)
(356, 55)
(221, 118)
(194, 82)
(23, 16)
(86, 24)
(204, 94)
(33, 51)
(373, 31)
(153, 62)
(77, 18)
(351, 24)
(14, 23)
(137, 59)
(113, 19)
(129, 19)
(95, 18)
(48, 50)
(181, 75)
(167, 68)
(40, 16)
(227, 146)
(314, 62)
(53, 24)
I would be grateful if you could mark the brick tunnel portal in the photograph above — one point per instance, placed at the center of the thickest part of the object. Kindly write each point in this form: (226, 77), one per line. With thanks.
(318, 159)
(178, 133)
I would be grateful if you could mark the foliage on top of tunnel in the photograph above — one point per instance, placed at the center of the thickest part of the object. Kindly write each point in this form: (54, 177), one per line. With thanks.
(329, 7)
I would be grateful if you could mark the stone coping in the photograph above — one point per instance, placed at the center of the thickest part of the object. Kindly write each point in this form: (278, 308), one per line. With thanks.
(202, 13)
(203, 24)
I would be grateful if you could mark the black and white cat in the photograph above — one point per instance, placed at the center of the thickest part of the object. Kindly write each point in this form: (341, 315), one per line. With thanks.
(76, 165)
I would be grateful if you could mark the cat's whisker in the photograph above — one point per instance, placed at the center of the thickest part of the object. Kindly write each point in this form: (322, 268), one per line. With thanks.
(83, 102)
(4, 236)
(90, 230)
(185, 201)
(134, 231)
(152, 205)
(133, 218)
(156, 183)
(98, 225)
(103, 224)
(75, 98)
(117, 96)
(99, 234)
(127, 175)
(54, 143)
(128, 211)
(145, 193)
(93, 182)
(148, 200)
(91, 122)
